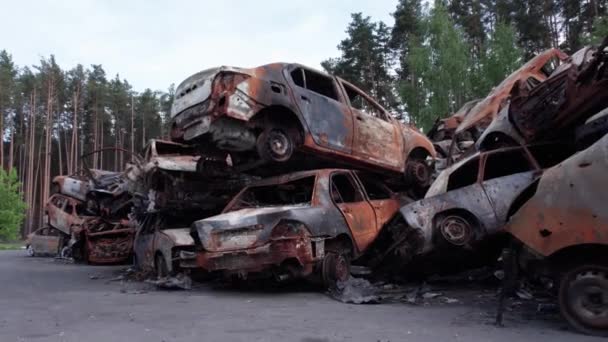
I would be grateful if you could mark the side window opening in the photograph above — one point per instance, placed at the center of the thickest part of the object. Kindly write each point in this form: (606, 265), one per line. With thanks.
(345, 191)
(316, 82)
(465, 175)
(501, 164)
(298, 77)
(360, 102)
(374, 189)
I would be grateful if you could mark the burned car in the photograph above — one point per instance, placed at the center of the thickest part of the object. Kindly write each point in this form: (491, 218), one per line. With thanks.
(455, 134)
(467, 204)
(64, 213)
(45, 241)
(562, 229)
(304, 224)
(554, 108)
(158, 242)
(85, 233)
(272, 111)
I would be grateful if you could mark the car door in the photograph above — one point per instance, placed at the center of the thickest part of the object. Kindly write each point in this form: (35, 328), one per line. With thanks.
(505, 175)
(325, 113)
(377, 137)
(58, 218)
(46, 241)
(143, 244)
(382, 200)
(357, 211)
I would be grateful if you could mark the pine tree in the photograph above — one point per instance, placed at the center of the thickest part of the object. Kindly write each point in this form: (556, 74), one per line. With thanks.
(502, 56)
(365, 59)
(441, 66)
(8, 73)
(407, 28)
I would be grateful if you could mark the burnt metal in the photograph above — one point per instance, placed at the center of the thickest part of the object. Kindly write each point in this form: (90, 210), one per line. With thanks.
(466, 205)
(562, 230)
(292, 237)
(235, 110)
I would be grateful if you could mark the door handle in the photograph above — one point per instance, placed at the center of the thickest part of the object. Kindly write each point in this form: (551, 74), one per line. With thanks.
(304, 98)
(360, 118)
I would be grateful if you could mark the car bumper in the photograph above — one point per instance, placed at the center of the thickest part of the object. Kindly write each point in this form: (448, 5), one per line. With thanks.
(306, 251)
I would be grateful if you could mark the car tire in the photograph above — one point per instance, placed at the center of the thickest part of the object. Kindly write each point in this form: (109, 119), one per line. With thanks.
(30, 251)
(417, 175)
(583, 295)
(275, 144)
(162, 271)
(335, 269)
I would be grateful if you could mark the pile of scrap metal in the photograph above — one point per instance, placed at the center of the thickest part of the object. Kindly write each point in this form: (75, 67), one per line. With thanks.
(87, 219)
(454, 136)
(537, 173)
(300, 129)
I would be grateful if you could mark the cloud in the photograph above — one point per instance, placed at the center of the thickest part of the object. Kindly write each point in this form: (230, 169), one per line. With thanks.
(155, 43)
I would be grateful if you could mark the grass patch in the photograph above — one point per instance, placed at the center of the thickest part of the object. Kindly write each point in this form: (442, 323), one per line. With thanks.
(5, 246)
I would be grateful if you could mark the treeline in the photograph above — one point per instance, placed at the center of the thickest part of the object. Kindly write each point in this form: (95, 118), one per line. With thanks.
(436, 58)
(50, 117)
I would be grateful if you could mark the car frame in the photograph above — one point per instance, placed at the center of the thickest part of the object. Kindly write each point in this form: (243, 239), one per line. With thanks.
(315, 236)
(561, 230)
(271, 111)
(469, 203)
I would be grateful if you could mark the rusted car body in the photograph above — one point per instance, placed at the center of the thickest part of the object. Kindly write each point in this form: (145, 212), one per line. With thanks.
(157, 246)
(274, 110)
(45, 241)
(552, 109)
(174, 176)
(563, 230)
(457, 133)
(535, 71)
(101, 241)
(296, 225)
(64, 213)
(469, 203)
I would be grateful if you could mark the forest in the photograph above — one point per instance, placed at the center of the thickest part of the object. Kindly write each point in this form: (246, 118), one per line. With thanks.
(432, 60)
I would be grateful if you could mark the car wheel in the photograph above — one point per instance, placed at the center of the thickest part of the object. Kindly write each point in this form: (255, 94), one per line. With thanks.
(417, 173)
(583, 299)
(275, 145)
(335, 269)
(30, 251)
(162, 271)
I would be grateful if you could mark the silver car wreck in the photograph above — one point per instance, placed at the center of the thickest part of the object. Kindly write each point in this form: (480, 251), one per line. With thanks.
(469, 202)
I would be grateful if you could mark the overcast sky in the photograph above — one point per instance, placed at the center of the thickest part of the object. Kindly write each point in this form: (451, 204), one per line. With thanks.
(155, 43)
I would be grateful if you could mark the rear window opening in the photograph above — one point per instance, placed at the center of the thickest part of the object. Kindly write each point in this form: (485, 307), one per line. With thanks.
(296, 192)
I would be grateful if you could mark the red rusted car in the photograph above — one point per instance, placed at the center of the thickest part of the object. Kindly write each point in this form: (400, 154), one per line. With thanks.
(563, 233)
(272, 111)
(305, 224)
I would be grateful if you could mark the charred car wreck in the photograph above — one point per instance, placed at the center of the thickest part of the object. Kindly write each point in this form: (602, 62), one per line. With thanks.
(268, 113)
(562, 235)
(305, 224)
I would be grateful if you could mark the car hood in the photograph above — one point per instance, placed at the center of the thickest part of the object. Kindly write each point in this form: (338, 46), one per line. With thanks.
(240, 229)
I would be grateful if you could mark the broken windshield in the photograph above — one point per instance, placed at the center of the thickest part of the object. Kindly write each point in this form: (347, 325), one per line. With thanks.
(298, 191)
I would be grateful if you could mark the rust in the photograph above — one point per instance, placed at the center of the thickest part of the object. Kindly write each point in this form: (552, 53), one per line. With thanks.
(272, 111)
(568, 207)
(287, 225)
